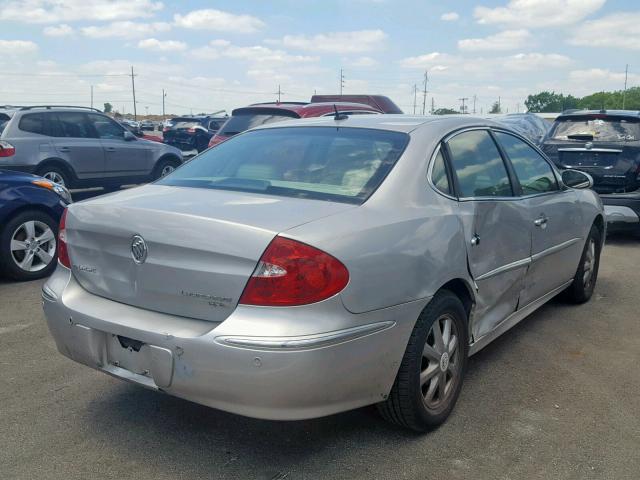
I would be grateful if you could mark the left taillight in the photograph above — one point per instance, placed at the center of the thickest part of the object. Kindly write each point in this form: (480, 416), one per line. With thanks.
(63, 252)
(6, 149)
(292, 273)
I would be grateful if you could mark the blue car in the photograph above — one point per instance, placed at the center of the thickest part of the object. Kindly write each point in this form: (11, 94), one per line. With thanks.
(30, 209)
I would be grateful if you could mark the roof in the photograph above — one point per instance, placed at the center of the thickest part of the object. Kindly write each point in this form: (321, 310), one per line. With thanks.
(308, 109)
(398, 123)
(609, 113)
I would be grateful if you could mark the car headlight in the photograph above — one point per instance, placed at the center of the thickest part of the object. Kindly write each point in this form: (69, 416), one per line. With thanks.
(54, 187)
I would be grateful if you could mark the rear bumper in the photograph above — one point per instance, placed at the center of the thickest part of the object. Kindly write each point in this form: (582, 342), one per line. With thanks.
(622, 209)
(283, 377)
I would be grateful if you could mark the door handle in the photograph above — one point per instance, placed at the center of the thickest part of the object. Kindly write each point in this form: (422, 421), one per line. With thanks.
(64, 149)
(541, 221)
(110, 149)
(475, 240)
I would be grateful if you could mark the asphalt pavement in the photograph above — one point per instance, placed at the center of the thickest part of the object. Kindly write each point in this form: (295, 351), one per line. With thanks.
(557, 397)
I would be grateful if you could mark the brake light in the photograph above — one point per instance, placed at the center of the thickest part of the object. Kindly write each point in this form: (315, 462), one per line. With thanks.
(215, 140)
(6, 149)
(191, 130)
(166, 129)
(63, 253)
(293, 273)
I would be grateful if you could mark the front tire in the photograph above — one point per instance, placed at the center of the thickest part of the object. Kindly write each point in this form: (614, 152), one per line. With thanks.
(28, 246)
(165, 167)
(581, 289)
(430, 377)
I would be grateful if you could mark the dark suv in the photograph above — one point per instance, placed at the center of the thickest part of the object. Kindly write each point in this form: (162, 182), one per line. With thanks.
(605, 144)
(192, 134)
(80, 147)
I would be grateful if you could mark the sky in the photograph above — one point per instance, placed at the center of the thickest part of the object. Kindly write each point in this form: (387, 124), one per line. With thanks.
(219, 55)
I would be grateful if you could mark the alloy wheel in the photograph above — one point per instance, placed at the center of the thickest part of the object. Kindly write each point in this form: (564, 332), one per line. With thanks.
(166, 170)
(441, 363)
(33, 246)
(589, 263)
(55, 177)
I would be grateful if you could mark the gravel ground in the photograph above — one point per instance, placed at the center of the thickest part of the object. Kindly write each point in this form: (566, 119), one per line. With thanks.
(556, 397)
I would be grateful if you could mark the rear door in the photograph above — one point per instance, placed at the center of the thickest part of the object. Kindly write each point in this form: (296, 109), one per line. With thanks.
(75, 139)
(123, 158)
(496, 225)
(555, 219)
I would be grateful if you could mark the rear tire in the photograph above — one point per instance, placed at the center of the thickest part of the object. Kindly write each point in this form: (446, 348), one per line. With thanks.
(28, 246)
(430, 377)
(581, 290)
(55, 174)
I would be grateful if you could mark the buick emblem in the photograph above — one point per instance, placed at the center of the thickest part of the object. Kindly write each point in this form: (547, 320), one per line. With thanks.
(138, 249)
(588, 145)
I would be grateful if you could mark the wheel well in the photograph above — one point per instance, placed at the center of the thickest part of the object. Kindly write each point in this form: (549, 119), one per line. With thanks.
(27, 207)
(56, 162)
(169, 156)
(599, 223)
(461, 289)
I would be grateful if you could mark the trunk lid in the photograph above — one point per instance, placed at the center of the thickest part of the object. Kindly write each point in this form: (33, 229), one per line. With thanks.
(202, 245)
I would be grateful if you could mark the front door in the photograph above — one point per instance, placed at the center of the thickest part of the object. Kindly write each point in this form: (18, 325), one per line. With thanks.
(496, 225)
(554, 220)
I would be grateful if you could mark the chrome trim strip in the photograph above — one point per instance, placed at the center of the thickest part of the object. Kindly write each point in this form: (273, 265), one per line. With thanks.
(505, 268)
(304, 342)
(554, 249)
(597, 150)
(513, 319)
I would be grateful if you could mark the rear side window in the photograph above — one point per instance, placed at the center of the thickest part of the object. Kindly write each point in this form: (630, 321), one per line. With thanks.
(478, 165)
(439, 174)
(323, 163)
(71, 125)
(534, 173)
(33, 123)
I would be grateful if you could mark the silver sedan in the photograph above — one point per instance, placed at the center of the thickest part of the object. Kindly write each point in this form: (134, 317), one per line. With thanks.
(316, 266)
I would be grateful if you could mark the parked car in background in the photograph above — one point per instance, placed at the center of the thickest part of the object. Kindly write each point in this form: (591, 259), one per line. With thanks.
(138, 132)
(147, 125)
(191, 134)
(379, 102)
(264, 113)
(81, 147)
(605, 144)
(30, 209)
(528, 124)
(307, 268)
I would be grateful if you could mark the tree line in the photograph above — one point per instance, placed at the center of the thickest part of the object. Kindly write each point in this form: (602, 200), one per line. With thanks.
(557, 102)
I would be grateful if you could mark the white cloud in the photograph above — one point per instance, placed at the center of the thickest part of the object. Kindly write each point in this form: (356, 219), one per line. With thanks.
(507, 40)
(449, 17)
(363, 62)
(211, 19)
(17, 47)
(527, 62)
(62, 30)
(337, 42)
(619, 30)
(125, 29)
(538, 13)
(162, 46)
(597, 79)
(254, 54)
(56, 11)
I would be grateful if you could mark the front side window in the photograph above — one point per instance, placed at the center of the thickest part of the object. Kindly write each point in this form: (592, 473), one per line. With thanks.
(478, 165)
(324, 163)
(439, 174)
(106, 128)
(534, 173)
(32, 123)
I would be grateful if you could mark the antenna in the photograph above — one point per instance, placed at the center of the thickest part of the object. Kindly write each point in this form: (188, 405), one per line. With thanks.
(338, 115)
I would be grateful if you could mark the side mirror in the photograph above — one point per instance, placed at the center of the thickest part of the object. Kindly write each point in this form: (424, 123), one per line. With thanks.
(577, 179)
(128, 136)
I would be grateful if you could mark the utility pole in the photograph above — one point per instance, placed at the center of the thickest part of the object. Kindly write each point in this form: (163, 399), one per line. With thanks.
(475, 97)
(518, 107)
(92, 96)
(624, 93)
(463, 108)
(341, 81)
(415, 97)
(147, 109)
(164, 94)
(433, 106)
(424, 92)
(279, 93)
(133, 89)
(499, 106)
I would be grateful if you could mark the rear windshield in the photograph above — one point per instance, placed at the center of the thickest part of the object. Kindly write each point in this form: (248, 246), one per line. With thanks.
(240, 122)
(323, 163)
(600, 129)
(184, 124)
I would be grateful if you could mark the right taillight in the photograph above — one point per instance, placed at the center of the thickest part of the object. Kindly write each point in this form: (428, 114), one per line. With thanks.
(63, 252)
(6, 149)
(293, 273)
